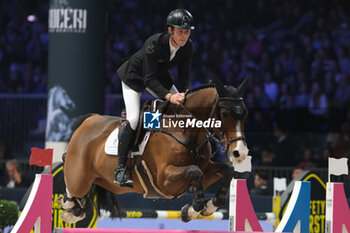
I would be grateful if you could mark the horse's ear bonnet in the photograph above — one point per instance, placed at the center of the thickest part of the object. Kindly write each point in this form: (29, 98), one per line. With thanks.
(231, 98)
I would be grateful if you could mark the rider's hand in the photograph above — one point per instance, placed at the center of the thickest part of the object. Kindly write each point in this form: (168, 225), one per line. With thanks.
(177, 98)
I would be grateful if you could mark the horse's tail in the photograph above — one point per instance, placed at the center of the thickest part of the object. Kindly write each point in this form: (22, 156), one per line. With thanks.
(105, 200)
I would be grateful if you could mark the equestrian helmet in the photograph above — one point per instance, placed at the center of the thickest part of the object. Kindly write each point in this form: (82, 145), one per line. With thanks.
(180, 18)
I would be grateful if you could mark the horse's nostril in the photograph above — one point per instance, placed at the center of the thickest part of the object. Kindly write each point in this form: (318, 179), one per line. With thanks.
(236, 153)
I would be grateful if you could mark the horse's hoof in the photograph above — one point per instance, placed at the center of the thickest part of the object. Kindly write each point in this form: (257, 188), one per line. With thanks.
(184, 213)
(69, 217)
(209, 209)
(59, 200)
(65, 205)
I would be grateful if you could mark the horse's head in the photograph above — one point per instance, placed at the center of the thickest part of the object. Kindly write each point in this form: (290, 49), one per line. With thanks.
(232, 112)
(60, 99)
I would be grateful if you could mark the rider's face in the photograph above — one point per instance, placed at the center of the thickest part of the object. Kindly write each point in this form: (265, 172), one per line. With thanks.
(180, 36)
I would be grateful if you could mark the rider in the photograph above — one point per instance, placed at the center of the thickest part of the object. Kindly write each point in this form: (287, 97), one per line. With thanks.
(149, 69)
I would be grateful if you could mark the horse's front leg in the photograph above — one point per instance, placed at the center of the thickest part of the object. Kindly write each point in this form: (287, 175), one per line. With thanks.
(189, 212)
(226, 171)
(177, 177)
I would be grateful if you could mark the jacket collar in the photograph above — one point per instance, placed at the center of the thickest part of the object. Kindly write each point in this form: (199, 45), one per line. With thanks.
(165, 38)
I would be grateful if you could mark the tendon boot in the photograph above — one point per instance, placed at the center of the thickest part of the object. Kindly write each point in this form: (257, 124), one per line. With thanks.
(126, 138)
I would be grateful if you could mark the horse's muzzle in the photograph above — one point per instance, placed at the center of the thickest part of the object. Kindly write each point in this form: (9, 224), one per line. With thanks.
(238, 154)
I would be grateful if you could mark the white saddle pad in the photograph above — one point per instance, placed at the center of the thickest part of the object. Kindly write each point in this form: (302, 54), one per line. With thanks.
(111, 146)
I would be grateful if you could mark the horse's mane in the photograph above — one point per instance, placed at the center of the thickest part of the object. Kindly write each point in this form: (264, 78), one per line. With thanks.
(201, 87)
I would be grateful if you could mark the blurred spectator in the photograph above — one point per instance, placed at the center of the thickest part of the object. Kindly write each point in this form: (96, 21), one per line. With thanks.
(302, 99)
(14, 177)
(330, 85)
(283, 148)
(252, 44)
(260, 184)
(343, 59)
(266, 157)
(270, 87)
(286, 48)
(318, 101)
(309, 161)
(342, 92)
(284, 95)
(326, 153)
(318, 106)
(297, 171)
(263, 100)
(257, 133)
(339, 146)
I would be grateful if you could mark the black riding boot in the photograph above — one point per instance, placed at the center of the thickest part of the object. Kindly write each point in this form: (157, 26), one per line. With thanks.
(126, 138)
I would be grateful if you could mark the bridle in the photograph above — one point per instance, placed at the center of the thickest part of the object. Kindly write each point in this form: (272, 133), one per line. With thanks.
(211, 136)
(217, 110)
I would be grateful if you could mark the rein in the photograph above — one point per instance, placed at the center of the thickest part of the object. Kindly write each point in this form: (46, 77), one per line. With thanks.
(211, 136)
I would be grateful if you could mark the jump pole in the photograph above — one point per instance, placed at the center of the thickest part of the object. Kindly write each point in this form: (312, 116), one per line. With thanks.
(38, 210)
(242, 216)
(37, 213)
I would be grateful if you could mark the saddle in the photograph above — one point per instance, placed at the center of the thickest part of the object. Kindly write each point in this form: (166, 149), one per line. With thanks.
(135, 160)
(149, 105)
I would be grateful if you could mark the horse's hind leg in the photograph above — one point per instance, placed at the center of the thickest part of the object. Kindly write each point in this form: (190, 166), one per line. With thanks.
(75, 208)
(175, 177)
(226, 170)
(75, 202)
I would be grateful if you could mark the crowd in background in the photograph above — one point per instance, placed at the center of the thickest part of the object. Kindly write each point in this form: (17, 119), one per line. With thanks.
(23, 46)
(296, 54)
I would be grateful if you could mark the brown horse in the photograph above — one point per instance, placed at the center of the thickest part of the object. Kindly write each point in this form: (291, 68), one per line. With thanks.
(177, 158)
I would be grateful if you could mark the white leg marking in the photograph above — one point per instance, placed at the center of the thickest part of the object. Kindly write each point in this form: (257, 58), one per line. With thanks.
(68, 194)
(209, 209)
(192, 213)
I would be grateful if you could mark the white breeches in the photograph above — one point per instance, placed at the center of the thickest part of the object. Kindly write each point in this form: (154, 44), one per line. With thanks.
(132, 103)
